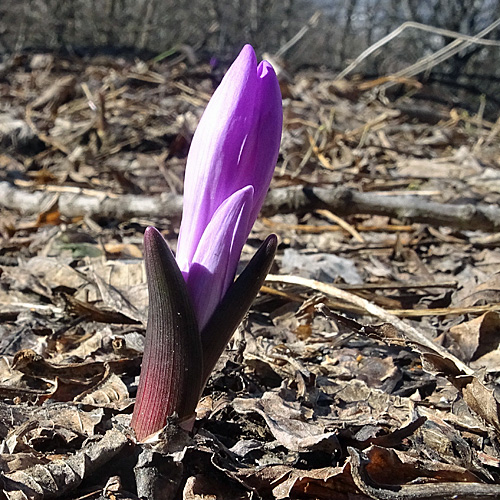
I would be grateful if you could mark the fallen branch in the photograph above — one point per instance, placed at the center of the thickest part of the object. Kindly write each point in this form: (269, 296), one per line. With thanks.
(76, 202)
(343, 201)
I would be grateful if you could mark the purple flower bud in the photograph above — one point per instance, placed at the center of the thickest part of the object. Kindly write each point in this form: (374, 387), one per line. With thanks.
(229, 168)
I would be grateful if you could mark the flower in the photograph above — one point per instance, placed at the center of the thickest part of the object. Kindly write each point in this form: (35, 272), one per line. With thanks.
(229, 168)
(194, 303)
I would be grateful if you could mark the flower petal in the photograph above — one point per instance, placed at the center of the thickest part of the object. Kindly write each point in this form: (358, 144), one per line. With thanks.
(235, 304)
(260, 155)
(215, 151)
(214, 264)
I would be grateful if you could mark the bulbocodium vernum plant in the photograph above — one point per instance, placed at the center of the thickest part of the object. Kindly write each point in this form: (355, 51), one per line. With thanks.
(195, 304)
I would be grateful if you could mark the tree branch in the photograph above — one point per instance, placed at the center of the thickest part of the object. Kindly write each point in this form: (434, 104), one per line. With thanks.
(343, 201)
(74, 202)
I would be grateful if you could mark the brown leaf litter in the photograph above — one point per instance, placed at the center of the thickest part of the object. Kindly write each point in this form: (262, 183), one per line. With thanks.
(368, 366)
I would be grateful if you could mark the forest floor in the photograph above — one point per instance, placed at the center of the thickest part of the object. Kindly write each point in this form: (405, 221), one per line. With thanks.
(368, 367)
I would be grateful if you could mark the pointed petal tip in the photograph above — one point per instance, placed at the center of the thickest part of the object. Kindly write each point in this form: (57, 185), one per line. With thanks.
(245, 63)
(247, 51)
(264, 69)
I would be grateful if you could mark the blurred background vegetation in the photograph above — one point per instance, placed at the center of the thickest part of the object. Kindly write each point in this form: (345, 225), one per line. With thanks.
(341, 30)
